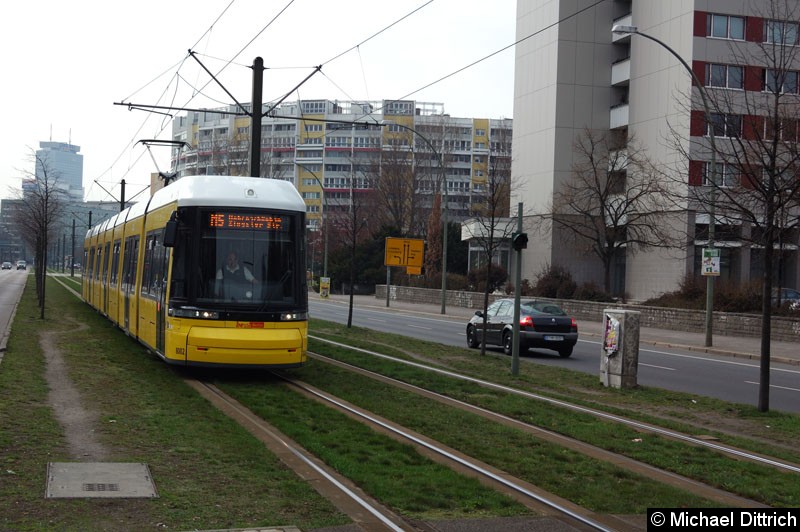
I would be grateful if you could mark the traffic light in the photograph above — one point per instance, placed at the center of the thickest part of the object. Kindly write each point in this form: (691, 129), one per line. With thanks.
(519, 241)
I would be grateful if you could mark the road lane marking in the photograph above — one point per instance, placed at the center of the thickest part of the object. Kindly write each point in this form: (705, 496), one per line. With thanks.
(705, 359)
(776, 386)
(658, 367)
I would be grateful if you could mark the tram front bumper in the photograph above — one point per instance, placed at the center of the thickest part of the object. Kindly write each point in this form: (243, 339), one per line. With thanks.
(277, 346)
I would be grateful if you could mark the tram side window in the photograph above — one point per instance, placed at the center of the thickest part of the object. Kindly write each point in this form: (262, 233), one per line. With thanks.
(90, 264)
(147, 267)
(182, 277)
(115, 264)
(99, 263)
(105, 262)
(130, 261)
(154, 265)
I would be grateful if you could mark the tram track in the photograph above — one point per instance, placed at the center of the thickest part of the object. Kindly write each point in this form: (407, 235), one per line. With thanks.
(365, 511)
(370, 514)
(640, 426)
(524, 492)
(635, 466)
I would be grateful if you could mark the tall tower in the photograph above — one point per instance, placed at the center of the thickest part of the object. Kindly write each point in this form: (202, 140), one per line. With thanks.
(64, 166)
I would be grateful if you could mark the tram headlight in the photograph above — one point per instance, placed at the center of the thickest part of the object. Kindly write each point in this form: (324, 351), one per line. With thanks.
(193, 313)
(294, 316)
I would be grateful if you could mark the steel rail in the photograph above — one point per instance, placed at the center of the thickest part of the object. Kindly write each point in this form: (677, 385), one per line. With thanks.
(578, 408)
(500, 479)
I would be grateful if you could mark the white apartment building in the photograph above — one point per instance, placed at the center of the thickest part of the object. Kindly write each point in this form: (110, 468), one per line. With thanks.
(324, 146)
(575, 74)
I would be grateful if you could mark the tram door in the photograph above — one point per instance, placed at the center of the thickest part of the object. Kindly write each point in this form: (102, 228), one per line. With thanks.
(161, 303)
(89, 276)
(104, 278)
(129, 277)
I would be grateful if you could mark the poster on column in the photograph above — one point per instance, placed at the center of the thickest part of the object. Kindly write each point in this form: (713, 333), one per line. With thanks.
(710, 265)
(324, 287)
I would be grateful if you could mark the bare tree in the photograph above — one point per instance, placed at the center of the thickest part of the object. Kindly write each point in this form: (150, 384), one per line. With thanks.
(433, 255)
(42, 206)
(490, 226)
(395, 179)
(353, 221)
(755, 186)
(615, 201)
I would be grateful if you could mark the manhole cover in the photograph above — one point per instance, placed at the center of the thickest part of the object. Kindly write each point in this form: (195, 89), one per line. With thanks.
(98, 480)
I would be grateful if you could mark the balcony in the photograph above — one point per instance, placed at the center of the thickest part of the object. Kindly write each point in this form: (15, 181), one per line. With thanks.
(621, 73)
(619, 116)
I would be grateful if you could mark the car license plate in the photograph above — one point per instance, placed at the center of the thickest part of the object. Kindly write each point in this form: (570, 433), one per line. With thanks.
(554, 338)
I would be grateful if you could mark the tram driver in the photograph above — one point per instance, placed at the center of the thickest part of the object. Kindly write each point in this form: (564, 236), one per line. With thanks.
(234, 280)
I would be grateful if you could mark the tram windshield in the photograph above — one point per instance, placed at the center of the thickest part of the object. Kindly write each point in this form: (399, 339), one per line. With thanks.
(247, 258)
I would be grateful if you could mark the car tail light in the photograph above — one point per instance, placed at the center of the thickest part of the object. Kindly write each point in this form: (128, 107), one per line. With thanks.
(526, 321)
(574, 325)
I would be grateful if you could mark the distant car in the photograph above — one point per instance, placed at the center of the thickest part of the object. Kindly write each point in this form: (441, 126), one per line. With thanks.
(788, 296)
(22, 265)
(542, 324)
(6, 266)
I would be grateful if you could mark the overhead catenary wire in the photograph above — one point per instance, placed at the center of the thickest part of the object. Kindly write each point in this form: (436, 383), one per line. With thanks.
(164, 124)
(362, 42)
(484, 58)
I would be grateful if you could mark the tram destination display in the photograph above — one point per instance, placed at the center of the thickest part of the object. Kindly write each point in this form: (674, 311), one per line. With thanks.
(236, 220)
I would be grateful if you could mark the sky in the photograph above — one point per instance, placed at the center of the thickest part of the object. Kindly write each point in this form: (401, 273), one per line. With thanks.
(66, 65)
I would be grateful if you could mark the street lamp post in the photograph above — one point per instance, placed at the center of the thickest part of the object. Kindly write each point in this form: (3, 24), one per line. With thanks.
(619, 29)
(444, 206)
(324, 214)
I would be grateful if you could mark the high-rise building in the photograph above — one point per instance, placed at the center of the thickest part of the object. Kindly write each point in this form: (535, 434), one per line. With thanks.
(326, 148)
(63, 165)
(576, 75)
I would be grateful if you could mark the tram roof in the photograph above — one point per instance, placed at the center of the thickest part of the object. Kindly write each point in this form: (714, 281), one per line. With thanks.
(230, 191)
(214, 191)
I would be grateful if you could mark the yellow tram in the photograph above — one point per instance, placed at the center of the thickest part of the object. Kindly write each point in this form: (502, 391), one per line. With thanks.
(209, 272)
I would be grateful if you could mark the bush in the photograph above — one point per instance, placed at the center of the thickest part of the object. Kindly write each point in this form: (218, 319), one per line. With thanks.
(477, 278)
(554, 282)
(591, 292)
(728, 296)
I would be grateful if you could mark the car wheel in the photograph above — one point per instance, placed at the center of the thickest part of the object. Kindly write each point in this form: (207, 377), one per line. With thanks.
(508, 344)
(472, 337)
(565, 352)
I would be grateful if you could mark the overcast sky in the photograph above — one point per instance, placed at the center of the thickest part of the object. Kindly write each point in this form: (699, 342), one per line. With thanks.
(65, 65)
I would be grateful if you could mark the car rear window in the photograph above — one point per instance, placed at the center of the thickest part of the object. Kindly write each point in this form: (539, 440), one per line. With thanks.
(544, 308)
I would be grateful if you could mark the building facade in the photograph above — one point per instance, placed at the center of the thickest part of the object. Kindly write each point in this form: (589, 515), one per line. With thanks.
(63, 160)
(332, 149)
(577, 75)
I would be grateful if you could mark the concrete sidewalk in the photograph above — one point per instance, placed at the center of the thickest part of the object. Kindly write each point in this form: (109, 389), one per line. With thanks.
(734, 346)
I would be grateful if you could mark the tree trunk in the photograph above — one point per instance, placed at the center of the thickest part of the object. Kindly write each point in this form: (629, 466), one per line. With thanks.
(43, 275)
(486, 298)
(352, 280)
(766, 328)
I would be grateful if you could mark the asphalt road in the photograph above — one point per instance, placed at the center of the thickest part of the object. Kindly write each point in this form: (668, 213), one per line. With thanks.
(706, 375)
(11, 284)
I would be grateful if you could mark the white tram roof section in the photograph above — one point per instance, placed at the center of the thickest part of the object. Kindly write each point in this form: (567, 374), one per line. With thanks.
(230, 191)
(216, 191)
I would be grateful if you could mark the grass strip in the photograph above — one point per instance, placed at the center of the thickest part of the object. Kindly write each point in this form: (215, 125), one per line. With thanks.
(594, 484)
(751, 480)
(392, 472)
(209, 472)
(773, 432)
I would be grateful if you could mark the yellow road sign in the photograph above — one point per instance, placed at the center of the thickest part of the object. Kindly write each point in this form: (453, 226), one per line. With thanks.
(404, 252)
